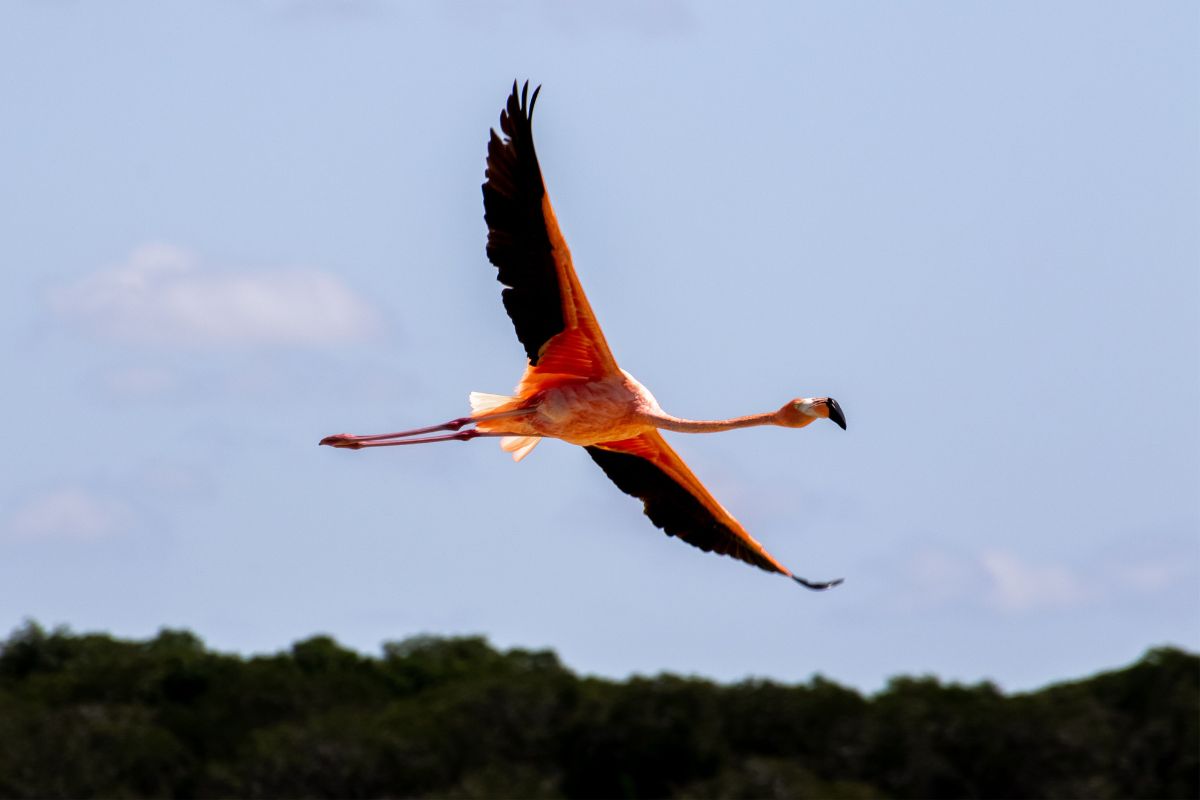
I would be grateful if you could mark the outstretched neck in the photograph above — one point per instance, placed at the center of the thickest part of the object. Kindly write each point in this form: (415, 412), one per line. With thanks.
(670, 423)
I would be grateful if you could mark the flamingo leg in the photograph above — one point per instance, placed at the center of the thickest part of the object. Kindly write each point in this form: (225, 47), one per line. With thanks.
(358, 443)
(352, 442)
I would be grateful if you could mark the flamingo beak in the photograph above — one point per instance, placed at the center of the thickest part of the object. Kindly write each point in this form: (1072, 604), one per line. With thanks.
(835, 413)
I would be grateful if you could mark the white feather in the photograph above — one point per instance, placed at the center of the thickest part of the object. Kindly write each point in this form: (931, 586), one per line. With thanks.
(482, 402)
(519, 446)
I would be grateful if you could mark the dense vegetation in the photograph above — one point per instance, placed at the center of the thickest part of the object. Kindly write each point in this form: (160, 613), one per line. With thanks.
(88, 715)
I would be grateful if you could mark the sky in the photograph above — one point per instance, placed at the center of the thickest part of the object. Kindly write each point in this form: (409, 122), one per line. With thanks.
(230, 229)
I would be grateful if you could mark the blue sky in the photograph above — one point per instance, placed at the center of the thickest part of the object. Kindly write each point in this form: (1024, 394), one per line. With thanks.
(230, 229)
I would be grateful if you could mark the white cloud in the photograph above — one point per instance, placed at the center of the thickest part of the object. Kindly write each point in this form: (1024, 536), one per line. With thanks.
(1153, 576)
(940, 577)
(163, 294)
(69, 513)
(1018, 586)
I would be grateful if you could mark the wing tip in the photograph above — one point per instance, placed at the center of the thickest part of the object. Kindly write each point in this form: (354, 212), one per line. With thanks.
(815, 585)
(520, 102)
(516, 125)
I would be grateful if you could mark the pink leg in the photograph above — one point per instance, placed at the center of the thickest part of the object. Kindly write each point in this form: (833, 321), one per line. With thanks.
(352, 442)
(359, 442)
(343, 439)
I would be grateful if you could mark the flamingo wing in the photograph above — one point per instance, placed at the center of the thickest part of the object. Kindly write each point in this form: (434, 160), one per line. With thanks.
(675, 500)
(543, 296)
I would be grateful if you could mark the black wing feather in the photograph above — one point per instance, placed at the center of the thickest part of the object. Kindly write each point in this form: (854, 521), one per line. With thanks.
(672, 507)
(518, 242)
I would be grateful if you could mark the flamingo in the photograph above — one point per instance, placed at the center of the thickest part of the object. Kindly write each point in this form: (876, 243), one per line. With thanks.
(572, 388)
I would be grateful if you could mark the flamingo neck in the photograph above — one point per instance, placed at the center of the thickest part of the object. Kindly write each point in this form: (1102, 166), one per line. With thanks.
(670, 423)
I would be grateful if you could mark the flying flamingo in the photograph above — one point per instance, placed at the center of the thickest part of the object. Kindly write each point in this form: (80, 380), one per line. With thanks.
(572, 388)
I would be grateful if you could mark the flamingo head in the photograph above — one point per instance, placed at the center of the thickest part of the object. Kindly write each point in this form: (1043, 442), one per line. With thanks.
(803, 410)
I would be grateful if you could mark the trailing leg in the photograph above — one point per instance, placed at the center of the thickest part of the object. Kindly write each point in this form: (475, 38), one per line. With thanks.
(353, 442)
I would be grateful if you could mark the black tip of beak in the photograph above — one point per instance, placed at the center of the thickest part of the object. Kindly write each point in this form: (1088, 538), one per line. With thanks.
(835, 413)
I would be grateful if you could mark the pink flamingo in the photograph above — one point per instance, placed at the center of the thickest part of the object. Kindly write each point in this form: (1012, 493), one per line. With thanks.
(573, 389)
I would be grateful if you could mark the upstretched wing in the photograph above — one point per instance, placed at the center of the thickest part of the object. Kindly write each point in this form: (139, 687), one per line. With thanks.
(543, 296)
(677, 502)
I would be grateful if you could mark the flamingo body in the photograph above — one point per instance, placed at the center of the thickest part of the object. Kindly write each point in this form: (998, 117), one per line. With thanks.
(585, 412)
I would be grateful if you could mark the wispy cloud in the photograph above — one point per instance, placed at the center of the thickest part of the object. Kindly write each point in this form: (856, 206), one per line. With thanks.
(68, 513)
(163, 294)
(1017, 585)
(1156, 575)
(1005, 581)
(941, 577)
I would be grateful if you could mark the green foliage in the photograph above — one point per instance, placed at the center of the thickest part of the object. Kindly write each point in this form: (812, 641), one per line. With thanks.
(89, 715)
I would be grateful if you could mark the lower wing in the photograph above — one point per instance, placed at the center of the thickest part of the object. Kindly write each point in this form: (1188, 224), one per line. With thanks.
(677, 502)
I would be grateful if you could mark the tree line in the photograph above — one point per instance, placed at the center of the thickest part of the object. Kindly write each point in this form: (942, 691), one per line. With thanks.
(85, 715)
